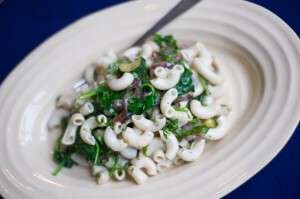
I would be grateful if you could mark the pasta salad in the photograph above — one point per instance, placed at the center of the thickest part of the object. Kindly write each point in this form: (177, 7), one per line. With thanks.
(139, 112)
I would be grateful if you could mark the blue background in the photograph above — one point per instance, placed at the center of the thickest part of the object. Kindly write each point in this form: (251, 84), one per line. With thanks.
(26, 23)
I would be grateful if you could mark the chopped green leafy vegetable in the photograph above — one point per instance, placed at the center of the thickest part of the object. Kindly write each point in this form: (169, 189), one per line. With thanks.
(138, 105)
(195, 131)
(106, 97)
(135, 106)
(181, 109)
(196, 128)
(185, 83)
(141, 72)
(168, 47)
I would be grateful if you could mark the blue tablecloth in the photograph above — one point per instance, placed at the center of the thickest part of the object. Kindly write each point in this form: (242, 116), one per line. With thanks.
(24, 24)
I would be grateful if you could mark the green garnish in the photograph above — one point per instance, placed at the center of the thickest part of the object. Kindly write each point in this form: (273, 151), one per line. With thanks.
(181, 109)
(144, 150)
(168, 47)
(138, 105)
(141, 72)
(185, 83)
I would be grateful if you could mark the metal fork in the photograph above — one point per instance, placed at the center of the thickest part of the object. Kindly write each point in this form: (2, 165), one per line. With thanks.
(179, 9)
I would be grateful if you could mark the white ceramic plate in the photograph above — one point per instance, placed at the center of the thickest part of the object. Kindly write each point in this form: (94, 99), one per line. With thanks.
(261, 57)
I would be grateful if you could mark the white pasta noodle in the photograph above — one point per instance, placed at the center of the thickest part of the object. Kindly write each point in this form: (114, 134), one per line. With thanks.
(218, 132)
(160, 72)
(158, 156)
(56, 118)
(202, 63)
(89, 74)
(178, 161)
(77, 119)
(148, 125)
(137, 174)
(184, 143)
(129, 152)
(172, 78)
(132, 53)
(111, 140)
(194, 152)
(119, 175)
(172, 145)
(102, 120)
(163, 165)
(198, 88)
(65, 101)
(204, 112)
(108, 58)
(169, 112)
(217, 91)
(148, 48)
(101, 173)
(87, 108)
(86, 130)
(155, 145)
(118, 84)
(188, 54)
(143, 162)
(137, 139)
(119, 127)
(69, 136)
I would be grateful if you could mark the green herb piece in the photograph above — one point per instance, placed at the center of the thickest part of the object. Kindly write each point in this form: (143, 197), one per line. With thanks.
(185, 83)
(201, 98)
(135, 106)
(152, 96)
(88, 94)
(138, 105)
(181, 109)
(168, 47)
(195, 131)
(172, 126)
(141, 72)
(63, 159)
(145, 150)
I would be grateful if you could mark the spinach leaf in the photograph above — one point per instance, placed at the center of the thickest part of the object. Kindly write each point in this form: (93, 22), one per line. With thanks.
(105, 99)
(185, 83)
(168, 47)
(141, 72)
(196, 128)
(195, 131)
(135, 105)
(138, 105)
